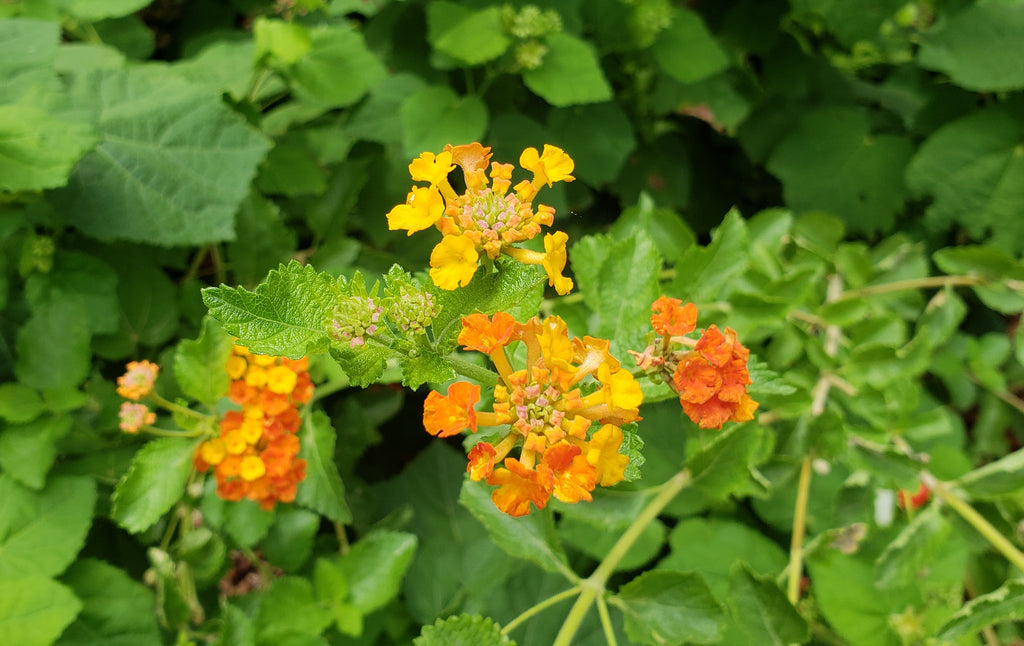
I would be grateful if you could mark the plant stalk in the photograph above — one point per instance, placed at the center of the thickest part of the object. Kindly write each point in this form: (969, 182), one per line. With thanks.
(971, 515)
(594, 585)
(534, 609)
(796, 546)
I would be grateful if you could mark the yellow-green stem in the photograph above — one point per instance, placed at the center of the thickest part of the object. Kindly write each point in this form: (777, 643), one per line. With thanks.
(606, 622)
(343, 544)
(913, 283)
(176, 408)
(971, 515)
(796, 546)
(534, 609)
(473, 371)
(593, 586)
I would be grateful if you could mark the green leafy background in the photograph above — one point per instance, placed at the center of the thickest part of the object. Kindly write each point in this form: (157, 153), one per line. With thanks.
(176, 174)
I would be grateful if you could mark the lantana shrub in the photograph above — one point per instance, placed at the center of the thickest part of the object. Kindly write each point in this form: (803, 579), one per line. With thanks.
(595, 323)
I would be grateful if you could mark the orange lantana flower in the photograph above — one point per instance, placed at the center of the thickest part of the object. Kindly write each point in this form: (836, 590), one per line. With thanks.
(255, 455)
(547, 416)
(484, 219)
(671, 318)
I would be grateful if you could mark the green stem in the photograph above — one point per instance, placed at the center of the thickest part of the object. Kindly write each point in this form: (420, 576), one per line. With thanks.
(796, 546)
(473, 371)
(913, 283)
(330, 388)
(593, 586)
(606, 622)
(343, 544)
(163, 432)
(176, 408)
(971, 515)
(531, 611)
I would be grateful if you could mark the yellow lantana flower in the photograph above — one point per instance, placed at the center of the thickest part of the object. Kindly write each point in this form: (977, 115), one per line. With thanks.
(453, 262)
(423, 207)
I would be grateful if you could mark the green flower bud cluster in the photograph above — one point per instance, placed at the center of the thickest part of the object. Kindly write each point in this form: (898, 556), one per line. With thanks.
(353, 319)
(412, 310)
(530, 21)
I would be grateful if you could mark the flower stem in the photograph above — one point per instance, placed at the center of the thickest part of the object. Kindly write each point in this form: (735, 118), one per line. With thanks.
(176, 408)
(594, 586)
(796, 546)
(913, 283)
(606, 622)
(971, 515)
(534, 609)
(473, 371)
(161, 432)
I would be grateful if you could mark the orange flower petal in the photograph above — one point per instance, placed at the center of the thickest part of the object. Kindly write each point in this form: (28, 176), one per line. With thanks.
(485, 334)
(447, 415)
(671, 318)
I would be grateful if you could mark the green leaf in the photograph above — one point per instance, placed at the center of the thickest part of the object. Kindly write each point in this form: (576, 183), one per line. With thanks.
(337, 71)
(79, 276)
(154, 482)
(35, 610)
(263, 240)
(435, 115)
(463, 630)
(600, 138)
(41, 532)
(19, 403)
(1004, 477)
(199, 364)
(375, 566)
(668, 229)
(290, 607)
(599, 263)
(28, 48)
(845, 591)
(172, 165)
(116, 609)
(687, 51)
(589, 538)
(972, 168)
(532, 537)
(986, 262)
(285, 316)
(38, 151)
(473, 37)
(570, 74)
(913, 551)
(378, 118)
(289, 543)
(762, 610)
(978, 47)
(322, 490)
(148, 306)
(291, 170)
(53, 346)
(721, 467)
(27, 451)
(427, 366)
(708, 271)
(1002, 605)
(670, 607)
(286, 42)
(247, 522)
(713, 546)
(236, 627)
(855, 174)
(94, 10)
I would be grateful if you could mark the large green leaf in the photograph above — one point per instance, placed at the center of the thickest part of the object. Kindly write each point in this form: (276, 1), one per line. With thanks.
(599, 137)
(470, 36)
(1004, 477)
(155, 481)
(116, 609)
(571, 73)
(435, 115)
(599, 264)
(172, 165)
(94, 10)
(199, 364)
(286, 315)
(53, 346)
(81, 276)
(27, 51)
(973, 169)
(38, 151)
(979, 47)
(34, 610)
(374, 568)
(913, 551)
(670, 607)
(832, 162)
(41, 532)
(27, 451)
(721, 467)
(322, 489)
(687, 51)
(338, 70)
(762, 610)
(289, 608)
(463, 630)
(532, 537)
(704, 274)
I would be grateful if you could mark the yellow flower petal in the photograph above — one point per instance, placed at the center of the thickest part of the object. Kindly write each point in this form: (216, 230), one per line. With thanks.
(432, 168)
(423, 207)
(552, 165)
(453, 262)
(554, 262)
(603, 454)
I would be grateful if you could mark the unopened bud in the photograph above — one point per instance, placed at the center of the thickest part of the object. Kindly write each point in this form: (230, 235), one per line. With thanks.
(354, 318)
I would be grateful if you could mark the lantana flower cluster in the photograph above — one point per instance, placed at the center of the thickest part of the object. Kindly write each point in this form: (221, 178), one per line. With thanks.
(134, 385)
(486, 219)
(547, 414)
(710, 373)
(255, 455)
